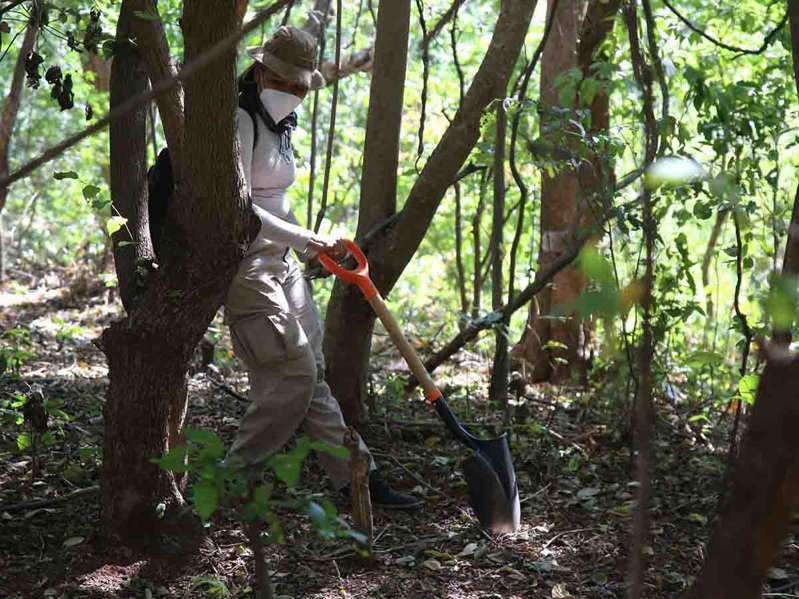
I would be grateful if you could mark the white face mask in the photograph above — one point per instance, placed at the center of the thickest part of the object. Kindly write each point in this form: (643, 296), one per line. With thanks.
(279, 104)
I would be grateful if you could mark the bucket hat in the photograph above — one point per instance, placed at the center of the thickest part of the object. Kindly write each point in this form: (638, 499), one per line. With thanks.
(291, 53)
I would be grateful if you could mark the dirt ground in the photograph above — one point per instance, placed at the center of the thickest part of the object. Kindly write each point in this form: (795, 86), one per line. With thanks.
(571, 456)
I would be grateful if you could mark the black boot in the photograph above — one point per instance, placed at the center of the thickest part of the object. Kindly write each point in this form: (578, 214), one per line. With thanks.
(385, 497)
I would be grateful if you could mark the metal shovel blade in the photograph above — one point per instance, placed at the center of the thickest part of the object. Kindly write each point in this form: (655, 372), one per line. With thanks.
(489, 475)
(492, 485)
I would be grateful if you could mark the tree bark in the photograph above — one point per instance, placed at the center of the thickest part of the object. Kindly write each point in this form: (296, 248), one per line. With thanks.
(790, 261)
(559, 207)
(151, 39)
(765, 494)
(128, 165)
(570, 199)
(11, 108)
(498, 385)
(395, 246)
(207, 228)
(349, 320)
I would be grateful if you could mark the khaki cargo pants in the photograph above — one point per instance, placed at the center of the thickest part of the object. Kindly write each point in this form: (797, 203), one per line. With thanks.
(282, 348)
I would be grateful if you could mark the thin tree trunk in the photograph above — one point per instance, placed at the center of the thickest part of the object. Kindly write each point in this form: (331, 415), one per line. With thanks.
(790, 261)
(644, 408)
(349, 319)
(498, 386)
(391, 251)
(459, 253)
(128, 164)
(152, 43)
(11, 106)
(477, 223)
(718, 225)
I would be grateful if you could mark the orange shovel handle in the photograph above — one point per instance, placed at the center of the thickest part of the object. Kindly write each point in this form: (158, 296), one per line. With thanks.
(360, 276)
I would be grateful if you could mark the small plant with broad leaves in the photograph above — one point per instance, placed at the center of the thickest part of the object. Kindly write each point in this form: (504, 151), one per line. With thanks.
(217, 480)
(36, 420)
(15, 350)
(94, 198)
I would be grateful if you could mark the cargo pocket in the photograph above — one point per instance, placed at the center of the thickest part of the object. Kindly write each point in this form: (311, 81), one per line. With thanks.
(268, 339)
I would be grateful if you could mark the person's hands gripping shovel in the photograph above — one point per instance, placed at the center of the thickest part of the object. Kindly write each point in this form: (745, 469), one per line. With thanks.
(489, 472)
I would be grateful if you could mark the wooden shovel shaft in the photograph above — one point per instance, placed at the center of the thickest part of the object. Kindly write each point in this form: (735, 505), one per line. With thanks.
(431, 392)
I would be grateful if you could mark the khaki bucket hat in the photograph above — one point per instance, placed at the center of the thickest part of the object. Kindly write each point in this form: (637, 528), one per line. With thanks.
(291, 53)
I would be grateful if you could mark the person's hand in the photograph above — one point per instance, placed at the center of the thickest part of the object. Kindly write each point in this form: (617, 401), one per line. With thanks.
(335, 248)
(315, 270)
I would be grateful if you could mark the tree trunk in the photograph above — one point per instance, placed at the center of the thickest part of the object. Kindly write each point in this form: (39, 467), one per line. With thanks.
(394, 247)
(128, 165)
(11, 109)
(567, 199)
(207, 227)
(349, 319)
(151, 38)
(748, 535)
(498, 385)
(790, 261)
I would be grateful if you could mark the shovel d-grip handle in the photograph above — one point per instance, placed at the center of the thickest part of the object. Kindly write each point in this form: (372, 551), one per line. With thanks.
(360, 276)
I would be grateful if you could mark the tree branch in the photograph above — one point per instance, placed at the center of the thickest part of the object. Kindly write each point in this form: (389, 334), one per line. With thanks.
(766, 41)
(151, 42)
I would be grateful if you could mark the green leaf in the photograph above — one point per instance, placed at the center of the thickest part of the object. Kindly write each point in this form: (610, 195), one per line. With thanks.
(702, 210)
(780, 304)
(24, 441)
(89, 191)
(65, 175)
(596, 266)
(604, 302)
(122, 244)
(206, 498)
(114, 223)
(287, 465)
(337, 451)
(747, 387)
(174, 459)
(702, 358)
(588, 90)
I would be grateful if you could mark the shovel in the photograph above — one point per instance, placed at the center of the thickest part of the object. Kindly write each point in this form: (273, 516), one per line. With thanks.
(489, 470)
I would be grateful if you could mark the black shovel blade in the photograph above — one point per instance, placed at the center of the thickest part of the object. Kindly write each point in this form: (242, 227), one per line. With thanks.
(491, 481)
(489, 475)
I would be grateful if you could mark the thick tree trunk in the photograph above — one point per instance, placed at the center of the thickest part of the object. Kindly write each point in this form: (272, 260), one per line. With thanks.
(11, 106)
(558, 213)
(392, 250)
(207, 228)
(765, 493)
(349, 320)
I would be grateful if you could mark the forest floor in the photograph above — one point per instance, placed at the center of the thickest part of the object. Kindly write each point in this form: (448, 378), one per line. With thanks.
(571, 455)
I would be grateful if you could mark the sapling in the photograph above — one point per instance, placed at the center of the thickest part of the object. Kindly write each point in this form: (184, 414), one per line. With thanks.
(217, 480)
